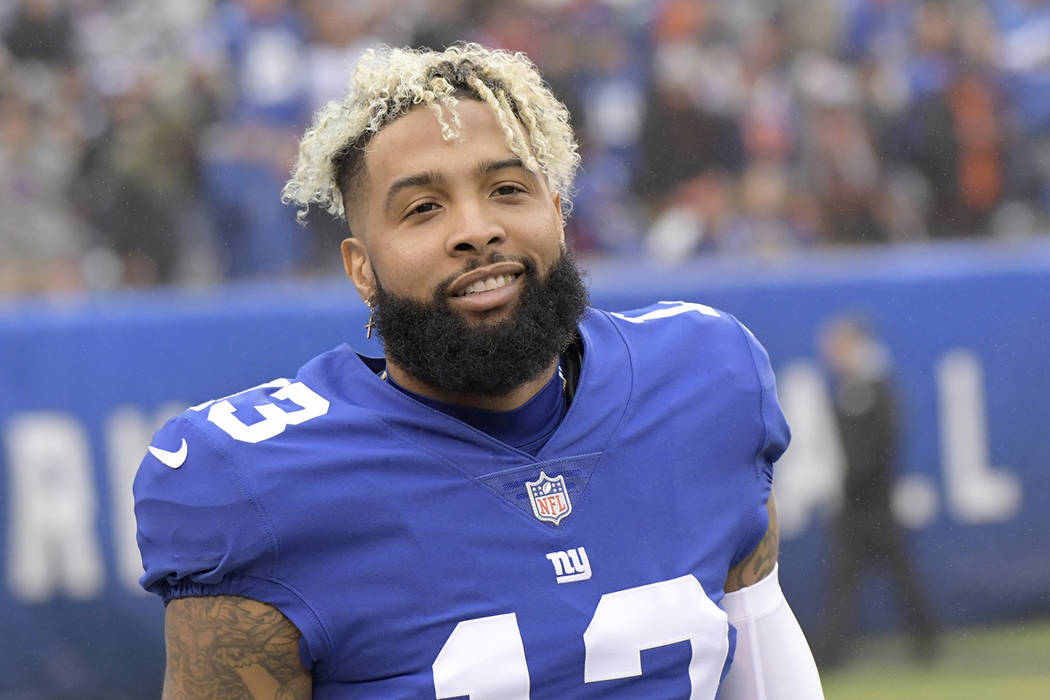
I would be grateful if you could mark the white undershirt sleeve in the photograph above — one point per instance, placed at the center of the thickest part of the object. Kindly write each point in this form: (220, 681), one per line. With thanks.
(772, 660)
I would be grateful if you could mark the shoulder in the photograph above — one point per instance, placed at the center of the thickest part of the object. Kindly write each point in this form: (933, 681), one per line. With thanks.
(244, 435)
(264, 412)
(209, 463)
(225, 483)
(668, 319)
(687, 330)
(697, 348)
(668, 310)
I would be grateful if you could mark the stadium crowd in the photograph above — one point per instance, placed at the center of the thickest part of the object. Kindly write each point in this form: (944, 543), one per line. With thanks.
(146, 143)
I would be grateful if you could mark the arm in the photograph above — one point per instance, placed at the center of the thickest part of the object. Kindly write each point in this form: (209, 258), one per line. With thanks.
(772, 660)
(231, 647)
(762, 559)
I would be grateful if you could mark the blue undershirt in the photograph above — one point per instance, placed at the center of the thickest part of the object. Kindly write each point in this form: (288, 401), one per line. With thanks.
(527, 427)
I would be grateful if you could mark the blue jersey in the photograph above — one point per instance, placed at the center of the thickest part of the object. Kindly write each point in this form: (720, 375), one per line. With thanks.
(422, 558)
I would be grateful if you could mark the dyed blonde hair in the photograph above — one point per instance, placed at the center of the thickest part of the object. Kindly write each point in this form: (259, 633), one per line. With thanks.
(389, 82)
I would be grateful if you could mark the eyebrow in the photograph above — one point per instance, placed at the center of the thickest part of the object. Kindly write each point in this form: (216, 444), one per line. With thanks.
(430, 177)
(492, 166)
(423, 179)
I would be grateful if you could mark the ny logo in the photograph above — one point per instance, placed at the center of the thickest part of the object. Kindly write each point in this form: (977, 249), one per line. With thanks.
(571, 565)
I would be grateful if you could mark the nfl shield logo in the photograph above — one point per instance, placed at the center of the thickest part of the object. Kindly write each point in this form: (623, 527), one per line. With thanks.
(549, 498)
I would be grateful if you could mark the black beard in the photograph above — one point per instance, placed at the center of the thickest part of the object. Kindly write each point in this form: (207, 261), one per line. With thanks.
(439, 347)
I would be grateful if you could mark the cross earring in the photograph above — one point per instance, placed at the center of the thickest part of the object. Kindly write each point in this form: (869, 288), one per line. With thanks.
(371, 321)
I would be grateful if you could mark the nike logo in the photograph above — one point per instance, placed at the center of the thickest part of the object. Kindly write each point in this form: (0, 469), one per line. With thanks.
(171, 459)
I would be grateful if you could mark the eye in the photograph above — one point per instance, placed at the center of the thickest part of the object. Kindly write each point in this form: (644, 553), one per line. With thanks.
(508, 189)
(422, 208)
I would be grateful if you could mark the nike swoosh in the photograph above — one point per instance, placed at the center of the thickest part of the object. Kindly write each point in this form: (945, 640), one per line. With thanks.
(171, 459)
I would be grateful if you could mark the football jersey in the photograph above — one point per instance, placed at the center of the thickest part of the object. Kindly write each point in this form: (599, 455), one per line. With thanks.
(422, 558)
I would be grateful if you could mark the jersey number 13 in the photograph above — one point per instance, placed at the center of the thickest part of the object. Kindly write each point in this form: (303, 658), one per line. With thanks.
(484, 658)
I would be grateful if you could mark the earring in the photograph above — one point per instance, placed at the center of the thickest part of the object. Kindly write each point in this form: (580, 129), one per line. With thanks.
(371, 321)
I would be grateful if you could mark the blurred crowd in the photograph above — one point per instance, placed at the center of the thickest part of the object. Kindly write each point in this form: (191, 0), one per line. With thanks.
(146, 143)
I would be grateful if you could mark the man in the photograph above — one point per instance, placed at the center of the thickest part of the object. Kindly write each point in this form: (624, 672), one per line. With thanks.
(525, 497)
(865, 534)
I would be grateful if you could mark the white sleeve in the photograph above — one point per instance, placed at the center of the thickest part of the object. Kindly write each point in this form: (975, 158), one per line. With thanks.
(772, 659)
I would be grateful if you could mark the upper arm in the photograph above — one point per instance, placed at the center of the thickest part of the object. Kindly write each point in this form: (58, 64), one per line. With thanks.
(232, 647)
(760, 562)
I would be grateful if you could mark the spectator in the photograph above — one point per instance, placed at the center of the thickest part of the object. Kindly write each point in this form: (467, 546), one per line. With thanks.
(688, 128)
(248, 152)
(39, 236)
(135, 180)
(41, 30)
(747, 127)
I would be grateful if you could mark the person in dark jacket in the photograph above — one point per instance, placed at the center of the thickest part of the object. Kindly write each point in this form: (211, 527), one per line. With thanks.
(865, 534)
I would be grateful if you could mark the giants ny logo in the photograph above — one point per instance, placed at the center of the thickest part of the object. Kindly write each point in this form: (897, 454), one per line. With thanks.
(570, 565)
(549, 498)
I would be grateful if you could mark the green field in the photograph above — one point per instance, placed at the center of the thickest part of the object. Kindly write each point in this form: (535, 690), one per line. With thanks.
(973, 664)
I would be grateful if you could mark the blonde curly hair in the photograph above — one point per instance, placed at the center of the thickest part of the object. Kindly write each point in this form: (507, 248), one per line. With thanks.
(389, 82)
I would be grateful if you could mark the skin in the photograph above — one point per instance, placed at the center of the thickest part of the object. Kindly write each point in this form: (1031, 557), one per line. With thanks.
(419, 221)
(762, 559)
(427, 219)
(231, 648)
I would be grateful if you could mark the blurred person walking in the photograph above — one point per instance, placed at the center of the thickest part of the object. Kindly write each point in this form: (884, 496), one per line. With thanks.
(865, 535)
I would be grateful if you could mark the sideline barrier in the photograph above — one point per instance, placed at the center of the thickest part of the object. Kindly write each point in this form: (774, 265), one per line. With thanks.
(83, 385)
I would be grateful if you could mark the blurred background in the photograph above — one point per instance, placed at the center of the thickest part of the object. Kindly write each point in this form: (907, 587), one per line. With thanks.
(795, 162)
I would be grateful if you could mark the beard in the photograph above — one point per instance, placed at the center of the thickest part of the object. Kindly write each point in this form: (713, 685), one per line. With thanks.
(438, 346)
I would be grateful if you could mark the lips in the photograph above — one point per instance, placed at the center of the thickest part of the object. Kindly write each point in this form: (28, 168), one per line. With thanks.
(487, 284)
(486, 278)
(487, 288)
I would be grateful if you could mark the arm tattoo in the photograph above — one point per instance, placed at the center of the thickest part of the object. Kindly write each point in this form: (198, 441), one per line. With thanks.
(761, 561)
(231, 648)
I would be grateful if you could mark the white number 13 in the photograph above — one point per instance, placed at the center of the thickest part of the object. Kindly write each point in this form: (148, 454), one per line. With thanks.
(485, 659)
(275, 419)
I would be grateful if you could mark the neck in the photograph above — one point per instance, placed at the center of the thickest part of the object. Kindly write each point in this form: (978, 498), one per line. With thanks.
(515, 398)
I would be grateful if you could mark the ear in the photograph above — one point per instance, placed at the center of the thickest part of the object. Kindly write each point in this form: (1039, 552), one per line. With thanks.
(359, 268)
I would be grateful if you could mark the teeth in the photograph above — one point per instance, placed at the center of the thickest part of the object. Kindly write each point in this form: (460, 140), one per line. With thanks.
(488, 283)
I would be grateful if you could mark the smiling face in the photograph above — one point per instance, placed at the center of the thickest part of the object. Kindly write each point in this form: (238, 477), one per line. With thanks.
(461, 249)
(457, 215)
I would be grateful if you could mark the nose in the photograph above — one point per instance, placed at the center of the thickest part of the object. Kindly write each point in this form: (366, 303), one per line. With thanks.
(474, 231)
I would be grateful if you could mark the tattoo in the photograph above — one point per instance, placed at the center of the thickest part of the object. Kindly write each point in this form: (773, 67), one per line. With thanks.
(761, 561)
(231, 648)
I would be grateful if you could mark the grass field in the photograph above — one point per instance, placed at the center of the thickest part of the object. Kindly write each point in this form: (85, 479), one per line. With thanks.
(973, 664)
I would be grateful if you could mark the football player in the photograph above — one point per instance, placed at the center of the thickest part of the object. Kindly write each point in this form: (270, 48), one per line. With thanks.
(525, 497)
